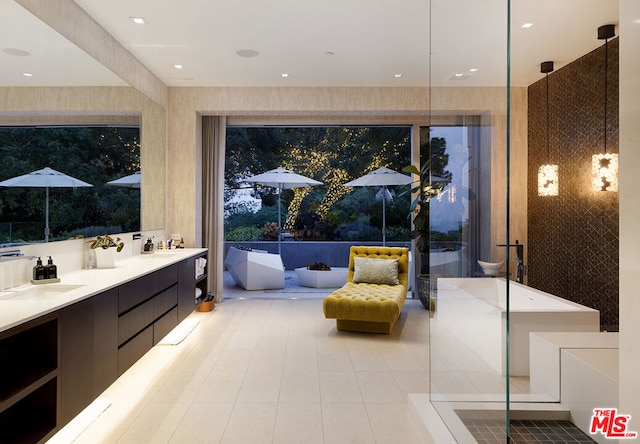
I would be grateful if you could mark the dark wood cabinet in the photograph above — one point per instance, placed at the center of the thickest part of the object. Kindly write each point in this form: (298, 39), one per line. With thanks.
(135, 292)
(186, 287)
(134, 321)
(147, 311)
(55, 366)
(166, 277)
(29, 380)
(88, 351)
(165, 301)
(163, 325)
(134, 349)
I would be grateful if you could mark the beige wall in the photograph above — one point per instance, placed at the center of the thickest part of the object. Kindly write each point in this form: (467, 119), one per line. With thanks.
(406, 105)
(101, 105)
(70, 20)
(629, 211)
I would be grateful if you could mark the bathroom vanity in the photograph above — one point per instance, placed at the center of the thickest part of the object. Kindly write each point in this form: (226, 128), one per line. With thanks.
(60, 347)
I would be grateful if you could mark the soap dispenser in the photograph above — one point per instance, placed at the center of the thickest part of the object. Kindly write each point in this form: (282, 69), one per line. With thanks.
(148, 247)
(39, 272)
(51, 270)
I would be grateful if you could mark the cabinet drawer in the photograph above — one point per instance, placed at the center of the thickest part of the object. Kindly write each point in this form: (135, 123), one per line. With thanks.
(164, 325)
(135, 320)
(132, 293)
(165, 301)
(133, 350)
(165, 278)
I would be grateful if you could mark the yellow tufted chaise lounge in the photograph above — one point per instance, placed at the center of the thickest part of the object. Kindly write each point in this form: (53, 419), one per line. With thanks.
(369, 307)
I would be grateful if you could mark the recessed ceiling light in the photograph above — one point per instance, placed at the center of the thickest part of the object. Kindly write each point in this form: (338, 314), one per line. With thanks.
(139, 20)
(247, 52)
(397, 76)
(284, 74)
(473, 70)
(527, 25)
(458, 76)
(178, 66)
(27, 74)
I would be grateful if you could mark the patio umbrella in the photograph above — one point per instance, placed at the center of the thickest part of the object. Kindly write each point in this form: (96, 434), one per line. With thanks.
(44, 178)
(130, 181)
(382, 177)
(282, 179)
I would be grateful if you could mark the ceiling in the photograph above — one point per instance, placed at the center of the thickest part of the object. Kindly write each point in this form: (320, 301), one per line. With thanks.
(315, 42)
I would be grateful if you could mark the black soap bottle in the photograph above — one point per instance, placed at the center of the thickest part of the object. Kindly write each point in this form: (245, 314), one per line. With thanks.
(51, 270)
(39, 272)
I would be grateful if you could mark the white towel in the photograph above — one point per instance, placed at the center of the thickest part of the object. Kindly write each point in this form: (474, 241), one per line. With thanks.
(201, 263)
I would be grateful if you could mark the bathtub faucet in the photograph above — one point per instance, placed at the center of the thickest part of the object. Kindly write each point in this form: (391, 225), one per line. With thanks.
(520, 270)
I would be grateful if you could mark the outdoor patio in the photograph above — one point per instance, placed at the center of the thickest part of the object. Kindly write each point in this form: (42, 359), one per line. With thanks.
(292, 289)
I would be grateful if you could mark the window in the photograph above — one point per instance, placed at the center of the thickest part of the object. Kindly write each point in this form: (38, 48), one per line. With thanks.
(95, 155)
(333, 155)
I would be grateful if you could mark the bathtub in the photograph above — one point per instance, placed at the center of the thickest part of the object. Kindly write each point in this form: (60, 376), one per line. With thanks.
(474, 311)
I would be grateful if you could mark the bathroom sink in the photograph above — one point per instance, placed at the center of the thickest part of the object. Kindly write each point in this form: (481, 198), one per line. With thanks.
(490, 268)
(161, 253)
(39, 291)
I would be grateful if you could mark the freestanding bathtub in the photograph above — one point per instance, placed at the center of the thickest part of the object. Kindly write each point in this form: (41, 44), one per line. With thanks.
(474, 310)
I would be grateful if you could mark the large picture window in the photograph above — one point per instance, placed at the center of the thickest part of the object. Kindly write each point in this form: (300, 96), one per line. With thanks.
(92, 155)
(333, 155)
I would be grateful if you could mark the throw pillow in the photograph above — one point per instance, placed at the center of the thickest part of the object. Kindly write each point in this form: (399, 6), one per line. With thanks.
(375, 271)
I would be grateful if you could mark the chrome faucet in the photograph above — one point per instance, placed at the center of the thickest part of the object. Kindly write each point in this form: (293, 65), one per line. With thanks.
(12, 255)
(520, 269)
(520, 259)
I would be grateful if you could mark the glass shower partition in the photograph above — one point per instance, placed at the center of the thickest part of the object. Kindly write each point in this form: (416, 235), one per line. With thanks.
(468, 147)
(477, 140)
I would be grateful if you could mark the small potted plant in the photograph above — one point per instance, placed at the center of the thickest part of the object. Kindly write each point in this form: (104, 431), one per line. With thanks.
(105, 248)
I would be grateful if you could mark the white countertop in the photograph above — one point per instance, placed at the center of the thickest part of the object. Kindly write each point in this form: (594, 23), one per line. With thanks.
(16, 310)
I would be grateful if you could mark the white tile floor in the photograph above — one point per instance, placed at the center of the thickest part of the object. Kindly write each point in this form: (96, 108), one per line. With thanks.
(270, 369)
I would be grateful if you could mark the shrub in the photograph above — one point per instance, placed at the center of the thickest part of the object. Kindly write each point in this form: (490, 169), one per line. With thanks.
(269, 231)
(240, 234)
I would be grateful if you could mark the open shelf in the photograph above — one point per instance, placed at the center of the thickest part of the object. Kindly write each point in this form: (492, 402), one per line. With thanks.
(28, 385)
(33, 353)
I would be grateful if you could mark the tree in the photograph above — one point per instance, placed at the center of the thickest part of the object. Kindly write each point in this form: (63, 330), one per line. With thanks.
(332, 155)
(93, 154)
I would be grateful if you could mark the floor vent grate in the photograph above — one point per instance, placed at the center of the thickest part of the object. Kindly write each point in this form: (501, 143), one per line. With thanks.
(487, 431)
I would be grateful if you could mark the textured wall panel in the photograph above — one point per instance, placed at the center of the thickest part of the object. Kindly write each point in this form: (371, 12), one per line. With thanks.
(574, 237)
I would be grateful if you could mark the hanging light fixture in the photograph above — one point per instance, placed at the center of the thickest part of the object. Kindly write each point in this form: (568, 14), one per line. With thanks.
(604, 166)
(548, 173)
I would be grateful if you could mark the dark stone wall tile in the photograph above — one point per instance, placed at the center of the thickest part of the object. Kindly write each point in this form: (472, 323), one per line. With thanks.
(573, 237)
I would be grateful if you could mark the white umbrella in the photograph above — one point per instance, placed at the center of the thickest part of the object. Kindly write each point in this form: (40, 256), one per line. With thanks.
(44, 178)
(130, 181)
(282, 179)
(382, 177)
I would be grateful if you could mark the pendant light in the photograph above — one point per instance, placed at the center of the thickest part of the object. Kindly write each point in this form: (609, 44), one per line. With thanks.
(604, 166)
(548, 173)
